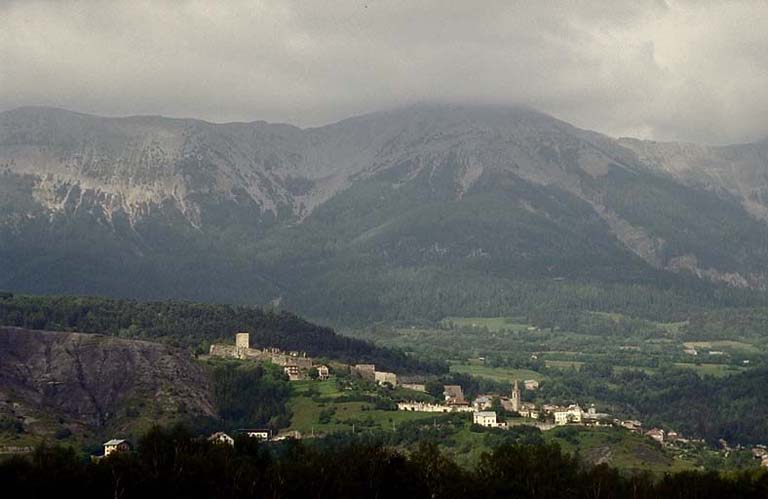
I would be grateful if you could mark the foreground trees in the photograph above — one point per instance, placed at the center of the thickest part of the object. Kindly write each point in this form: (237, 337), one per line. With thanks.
(174, 463)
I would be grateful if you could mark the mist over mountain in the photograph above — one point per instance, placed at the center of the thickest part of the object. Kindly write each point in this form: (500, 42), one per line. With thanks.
(424, 211)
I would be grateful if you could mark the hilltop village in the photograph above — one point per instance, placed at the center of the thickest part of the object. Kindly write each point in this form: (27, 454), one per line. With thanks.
(489, 411)
(298, 366)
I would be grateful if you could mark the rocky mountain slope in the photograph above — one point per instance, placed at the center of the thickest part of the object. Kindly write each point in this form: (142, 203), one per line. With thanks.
(53, 382)
(465, 207)
(739, 170)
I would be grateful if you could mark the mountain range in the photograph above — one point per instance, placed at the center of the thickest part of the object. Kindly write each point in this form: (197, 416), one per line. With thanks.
(419, 212)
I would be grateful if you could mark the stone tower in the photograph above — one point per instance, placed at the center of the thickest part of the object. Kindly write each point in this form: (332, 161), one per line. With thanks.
(515, 399)
(243, 340)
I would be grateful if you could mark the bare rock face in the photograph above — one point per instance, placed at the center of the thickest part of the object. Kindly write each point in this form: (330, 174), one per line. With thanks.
(132, 167)
(740, 170)
(52, 380)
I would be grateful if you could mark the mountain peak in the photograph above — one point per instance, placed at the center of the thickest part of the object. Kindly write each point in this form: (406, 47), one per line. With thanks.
(490, 191)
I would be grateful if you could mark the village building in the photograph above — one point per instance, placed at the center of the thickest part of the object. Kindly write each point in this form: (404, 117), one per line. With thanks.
(257, 433)
(570, 414)
(549, 408)
(430, 407)
(485, 418)
(632, 425)
(422, 407)
(596, 418)
(672, 436)
(295, 435)
(323, 372)
(454, 395)
(482, 402)
(528, 410)
(656, 434)
(531, 384)
(365, 371)
(506, 403)
(221, 438)
(385, 378)
(293, 372)
(115, 446)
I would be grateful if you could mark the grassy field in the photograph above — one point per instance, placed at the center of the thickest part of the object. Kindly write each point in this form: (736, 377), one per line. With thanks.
(492, 324)
(502, 374)
(564, 364)
(346, 416)
(717, 370)
(723, 345)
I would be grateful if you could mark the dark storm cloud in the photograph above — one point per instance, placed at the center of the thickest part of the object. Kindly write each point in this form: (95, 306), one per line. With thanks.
(667, 70)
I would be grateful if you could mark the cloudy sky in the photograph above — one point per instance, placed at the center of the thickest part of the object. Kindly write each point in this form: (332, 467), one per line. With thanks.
(676, 70)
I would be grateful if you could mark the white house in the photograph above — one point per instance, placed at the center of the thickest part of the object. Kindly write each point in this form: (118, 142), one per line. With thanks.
(570, 414)
(221, 438)
(656, 434)
(259, 434)
(115, 446)
(485, 418)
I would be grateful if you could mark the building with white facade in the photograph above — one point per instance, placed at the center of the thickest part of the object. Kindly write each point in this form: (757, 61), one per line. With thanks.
(570, 414)
(222, 438)
(116, 445)
(485, 418)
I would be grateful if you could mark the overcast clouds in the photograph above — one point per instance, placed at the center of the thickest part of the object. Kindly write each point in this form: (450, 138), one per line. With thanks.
(665, 70)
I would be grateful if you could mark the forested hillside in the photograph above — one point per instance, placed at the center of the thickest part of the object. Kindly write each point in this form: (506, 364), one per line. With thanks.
(195, 326)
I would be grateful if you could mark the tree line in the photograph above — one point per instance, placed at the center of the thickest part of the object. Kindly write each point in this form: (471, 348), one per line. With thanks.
(174, 463)
(731, 408)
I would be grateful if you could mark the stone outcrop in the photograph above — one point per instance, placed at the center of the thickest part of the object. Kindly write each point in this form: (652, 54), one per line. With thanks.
(87, 382)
